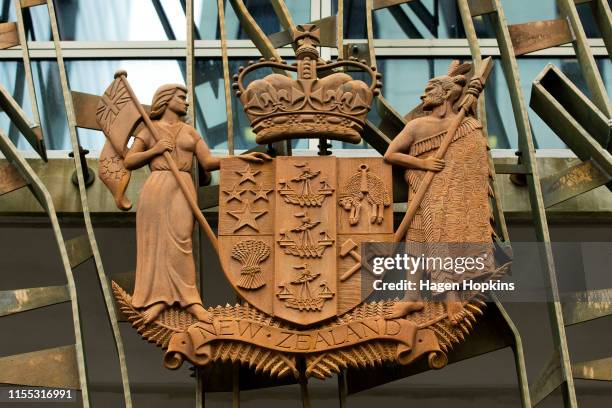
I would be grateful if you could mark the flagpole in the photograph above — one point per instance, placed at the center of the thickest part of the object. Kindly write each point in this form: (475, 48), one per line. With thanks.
(190, 198)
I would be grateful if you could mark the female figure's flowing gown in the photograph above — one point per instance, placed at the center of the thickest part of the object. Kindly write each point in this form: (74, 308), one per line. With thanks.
(165, 270)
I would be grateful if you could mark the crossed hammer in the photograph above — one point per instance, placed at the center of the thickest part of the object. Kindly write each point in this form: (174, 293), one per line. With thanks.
(349, 247)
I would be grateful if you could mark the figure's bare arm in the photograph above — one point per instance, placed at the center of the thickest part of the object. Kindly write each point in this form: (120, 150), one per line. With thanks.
(205, 156)
(138, 156)
(397, 155)
(211, 163)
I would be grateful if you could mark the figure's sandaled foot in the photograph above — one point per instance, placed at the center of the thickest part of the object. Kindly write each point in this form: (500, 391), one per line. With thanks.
(403, 308)
(153, 311)
(200, 313)
(455, 311)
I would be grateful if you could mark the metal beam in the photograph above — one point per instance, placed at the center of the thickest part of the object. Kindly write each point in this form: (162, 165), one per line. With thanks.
(375, 137)
(78, 250)
(245, 49)
(380, 4)
(32, 3)
(527, 150)
(519, 355)
(573, 117)
(229, 114)
(21, 300)
(391, 121)
(480, 7)
(327, 26)
(548, 380)
(10, 179)
(38, 141)
(603, 17)
(8, 35)
(102, 279)
(43, 196)
(55, 367)
(571, 182)
(590, 71)
(539, 35)
(340, 29)
(594, 370)
(509, 168)
(370, 32)
(30, 130)
(586, 306)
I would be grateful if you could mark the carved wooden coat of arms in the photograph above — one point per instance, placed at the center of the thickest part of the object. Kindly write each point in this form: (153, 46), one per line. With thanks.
(290, 233)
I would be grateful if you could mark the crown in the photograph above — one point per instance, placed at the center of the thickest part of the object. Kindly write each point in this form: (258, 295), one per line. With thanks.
(320, 103)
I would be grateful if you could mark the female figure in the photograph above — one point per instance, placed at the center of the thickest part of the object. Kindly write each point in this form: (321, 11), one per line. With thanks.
(165, 270)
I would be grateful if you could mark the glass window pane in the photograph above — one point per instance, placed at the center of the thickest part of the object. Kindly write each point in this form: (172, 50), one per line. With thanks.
(49, 97)
(12, 78)
(419, 19)
(207, 20)
(524, 11)
(605, 67)
(51, 104)
(588, 21)
(110, 20)
(7, 13)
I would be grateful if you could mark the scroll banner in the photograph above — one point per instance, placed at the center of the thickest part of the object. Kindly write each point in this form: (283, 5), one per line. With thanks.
(195, 343)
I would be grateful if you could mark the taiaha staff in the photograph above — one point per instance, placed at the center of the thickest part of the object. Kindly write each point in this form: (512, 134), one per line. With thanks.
(468, 102)
(190, 198)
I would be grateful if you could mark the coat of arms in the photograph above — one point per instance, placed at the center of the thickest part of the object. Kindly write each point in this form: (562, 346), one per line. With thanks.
(293, 231)
(291, 228)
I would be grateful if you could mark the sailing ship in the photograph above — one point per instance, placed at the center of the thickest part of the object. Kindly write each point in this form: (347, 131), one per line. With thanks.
(303, 297)
(304, 245)
(305, 195)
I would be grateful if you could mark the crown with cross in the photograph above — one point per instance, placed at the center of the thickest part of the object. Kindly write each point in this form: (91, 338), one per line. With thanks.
(323, 102)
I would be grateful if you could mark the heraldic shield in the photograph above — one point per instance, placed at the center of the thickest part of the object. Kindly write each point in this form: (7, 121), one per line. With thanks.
(290, 231)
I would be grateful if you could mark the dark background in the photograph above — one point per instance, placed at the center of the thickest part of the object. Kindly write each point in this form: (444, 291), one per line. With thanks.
(28, 258)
